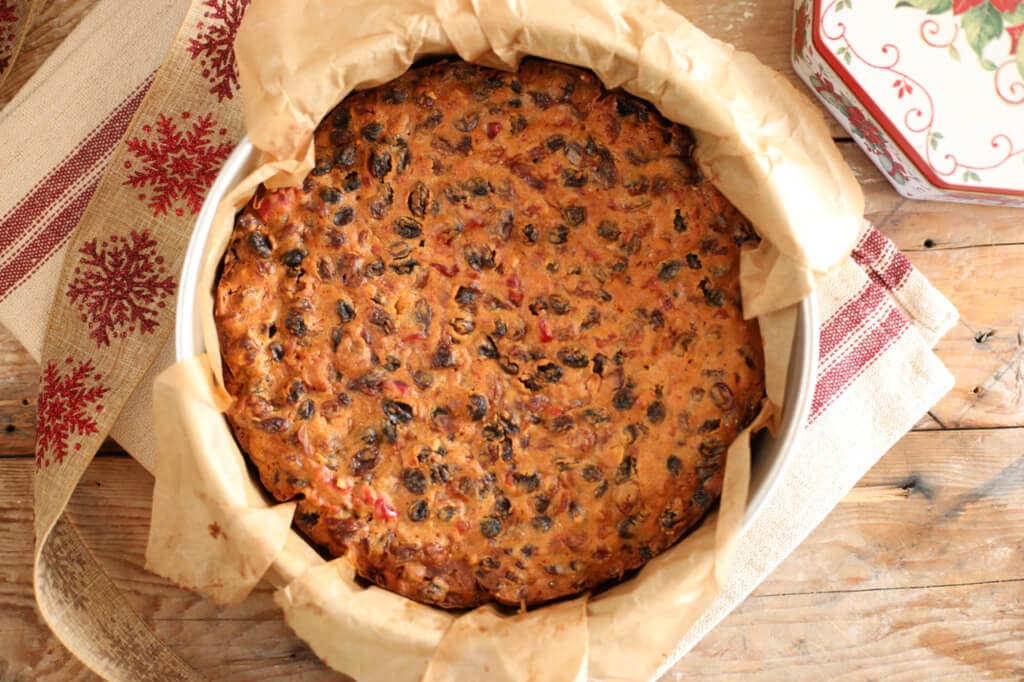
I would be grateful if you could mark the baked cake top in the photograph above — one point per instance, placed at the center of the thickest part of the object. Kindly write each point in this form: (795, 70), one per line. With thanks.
(493, 345)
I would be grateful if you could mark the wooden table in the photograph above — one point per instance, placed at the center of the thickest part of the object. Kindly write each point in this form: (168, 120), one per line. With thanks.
(919, 571)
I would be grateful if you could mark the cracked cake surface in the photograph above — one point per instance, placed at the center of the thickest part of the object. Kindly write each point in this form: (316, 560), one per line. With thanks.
(493, 345)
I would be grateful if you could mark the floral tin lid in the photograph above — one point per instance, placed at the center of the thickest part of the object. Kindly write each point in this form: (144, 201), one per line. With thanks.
(931, 90)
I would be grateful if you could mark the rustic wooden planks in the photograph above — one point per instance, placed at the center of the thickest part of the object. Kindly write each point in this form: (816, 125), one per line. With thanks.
(952, 632)
(940, 508)
(19, 379)
(53, 21)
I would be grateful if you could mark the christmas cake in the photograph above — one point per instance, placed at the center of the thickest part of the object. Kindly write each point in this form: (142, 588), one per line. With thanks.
(493, 345)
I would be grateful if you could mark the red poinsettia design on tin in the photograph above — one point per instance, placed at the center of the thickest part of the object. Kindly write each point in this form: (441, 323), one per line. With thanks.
(119, 286)
(962, 6)
(69, 400)
(861, 126)
(982, 22)
(864, 126)
(801, 27)
(8, 20)
(178, 166)
(1015, 33)
(215, 43)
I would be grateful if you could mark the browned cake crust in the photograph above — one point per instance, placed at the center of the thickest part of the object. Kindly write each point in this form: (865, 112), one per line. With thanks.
(493, 345)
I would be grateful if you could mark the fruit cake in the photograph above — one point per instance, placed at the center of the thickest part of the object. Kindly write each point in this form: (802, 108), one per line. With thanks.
(493, 345)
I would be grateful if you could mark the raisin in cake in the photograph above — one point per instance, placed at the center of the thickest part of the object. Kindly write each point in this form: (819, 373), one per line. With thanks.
(493, 344)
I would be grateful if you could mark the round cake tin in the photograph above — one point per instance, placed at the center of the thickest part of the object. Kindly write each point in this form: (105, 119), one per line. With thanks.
(769, 454)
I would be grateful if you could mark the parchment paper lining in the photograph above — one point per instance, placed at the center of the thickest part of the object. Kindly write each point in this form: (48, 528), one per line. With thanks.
(764, 146)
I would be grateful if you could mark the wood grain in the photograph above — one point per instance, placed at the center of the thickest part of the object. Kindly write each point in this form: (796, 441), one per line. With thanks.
(19, 380)
(954, 632)
(940, 508)
(53, 21)
(986, 350)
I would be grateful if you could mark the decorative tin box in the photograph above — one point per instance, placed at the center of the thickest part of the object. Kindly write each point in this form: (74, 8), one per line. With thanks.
(931, 90)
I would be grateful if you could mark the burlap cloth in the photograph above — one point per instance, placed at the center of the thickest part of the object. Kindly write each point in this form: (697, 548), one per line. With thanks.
(104, 177)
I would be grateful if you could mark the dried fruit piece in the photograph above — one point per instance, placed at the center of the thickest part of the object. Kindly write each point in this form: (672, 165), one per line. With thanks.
(380, 163)
(558, 235)
(294, 257)
(408, 228)
(371, 131)
(330, 195)
(572, 177)
(609, 230)
(364, 461)
(419, 510)
(344, 215)
(573, 356)
(345, 311)
(462, 325)
(477, 407)
(721, 395)
(712, 296)
(295, 323)
(679, 222)
(490, 527)
(260, 244)
(669, 270)
(419, 200)
(414, 481)
(397, 411)
(574, 215)
(623, 399)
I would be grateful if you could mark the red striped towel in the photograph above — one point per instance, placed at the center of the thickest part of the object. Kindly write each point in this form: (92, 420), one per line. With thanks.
(880, 317)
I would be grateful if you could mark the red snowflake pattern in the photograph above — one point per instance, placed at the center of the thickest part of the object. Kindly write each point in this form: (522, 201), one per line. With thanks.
(215, 45)
(179, 166)
(8, 20)
(68, 401)
(119, 286)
